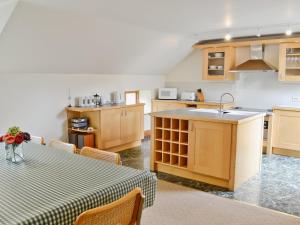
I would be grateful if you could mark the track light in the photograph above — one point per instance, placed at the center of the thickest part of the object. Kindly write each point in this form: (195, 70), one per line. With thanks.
(227, 37)
(258, 34)
(289, 31)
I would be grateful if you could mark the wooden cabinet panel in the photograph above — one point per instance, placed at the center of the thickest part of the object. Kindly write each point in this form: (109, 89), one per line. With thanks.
(110, 128)
(209, 148)
(287, 130)
(216, 67)
(165, 106)
(131, 123)
(289, 62)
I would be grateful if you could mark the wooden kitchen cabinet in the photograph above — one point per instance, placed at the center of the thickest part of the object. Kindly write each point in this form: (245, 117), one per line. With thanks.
(217, 63)
(209, 148)
(131, 124)
(221, 152)
(111, 128)
(286, 139)
(116, 127)
(289, 62)
(165, 105)
(158, 106)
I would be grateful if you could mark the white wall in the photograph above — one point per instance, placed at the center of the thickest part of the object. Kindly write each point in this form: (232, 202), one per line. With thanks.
(36, 102)
(259, 90)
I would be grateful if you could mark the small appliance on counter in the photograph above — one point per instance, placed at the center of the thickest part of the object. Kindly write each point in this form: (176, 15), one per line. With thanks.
(85, 101)
(97, 99)
(188, 96)
(200, 95)
(167, 93)
(79, 123)
(116, 97)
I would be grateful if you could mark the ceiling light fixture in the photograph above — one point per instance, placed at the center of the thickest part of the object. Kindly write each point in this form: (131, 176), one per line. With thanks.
(258, 32)
(227, 37)
(289, 31)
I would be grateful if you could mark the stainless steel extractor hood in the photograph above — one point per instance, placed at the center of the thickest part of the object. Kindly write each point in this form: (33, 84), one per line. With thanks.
(256, 62)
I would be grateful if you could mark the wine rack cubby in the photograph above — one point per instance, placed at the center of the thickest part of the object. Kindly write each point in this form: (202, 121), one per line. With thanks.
(171, 141)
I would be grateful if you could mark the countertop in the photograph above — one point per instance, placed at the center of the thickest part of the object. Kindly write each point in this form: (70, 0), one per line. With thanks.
(268, 112)
(209, 115)
(287, 108)
(102, 107)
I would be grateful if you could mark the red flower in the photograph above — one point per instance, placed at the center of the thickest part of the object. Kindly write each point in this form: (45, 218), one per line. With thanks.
(19, 139)
(9, 139)
(6, 136)
(2, 139)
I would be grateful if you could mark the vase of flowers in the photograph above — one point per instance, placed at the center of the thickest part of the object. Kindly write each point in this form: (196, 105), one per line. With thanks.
(14, 139)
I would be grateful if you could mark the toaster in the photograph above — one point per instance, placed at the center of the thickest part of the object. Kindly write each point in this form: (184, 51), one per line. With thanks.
(188, 96)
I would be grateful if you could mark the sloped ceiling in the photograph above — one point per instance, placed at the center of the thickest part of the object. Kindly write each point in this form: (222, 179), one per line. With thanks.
(125, 36)
(6, 9)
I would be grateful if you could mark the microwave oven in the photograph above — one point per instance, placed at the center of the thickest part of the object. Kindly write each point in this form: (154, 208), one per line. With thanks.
(167, 93)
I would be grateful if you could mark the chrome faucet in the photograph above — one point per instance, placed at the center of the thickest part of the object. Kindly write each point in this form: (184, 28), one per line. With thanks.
(221, 101)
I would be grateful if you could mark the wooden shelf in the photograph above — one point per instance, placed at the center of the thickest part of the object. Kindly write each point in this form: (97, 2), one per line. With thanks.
(171, 142)
(293, 54)
(215, 69)
(216, 57)
(82, 131)
(293, 68)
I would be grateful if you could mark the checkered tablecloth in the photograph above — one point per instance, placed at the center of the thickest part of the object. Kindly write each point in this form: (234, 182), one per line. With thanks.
(54, 187)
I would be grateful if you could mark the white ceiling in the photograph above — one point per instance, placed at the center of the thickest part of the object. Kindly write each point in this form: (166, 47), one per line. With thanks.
(6, 9)
(128, 36)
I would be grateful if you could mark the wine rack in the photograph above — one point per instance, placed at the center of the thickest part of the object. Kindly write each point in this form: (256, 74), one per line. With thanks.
(171, 141)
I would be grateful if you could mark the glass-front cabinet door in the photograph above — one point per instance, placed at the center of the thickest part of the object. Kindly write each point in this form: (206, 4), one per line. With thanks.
(289, 62)
(217, 63)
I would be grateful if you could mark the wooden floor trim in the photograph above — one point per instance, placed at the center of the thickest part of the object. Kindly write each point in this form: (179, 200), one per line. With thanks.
(286, 152)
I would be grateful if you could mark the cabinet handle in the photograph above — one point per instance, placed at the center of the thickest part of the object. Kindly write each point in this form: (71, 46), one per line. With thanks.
(192, 127)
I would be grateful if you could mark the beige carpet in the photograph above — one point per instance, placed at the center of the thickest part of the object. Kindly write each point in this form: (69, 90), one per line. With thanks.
(178, 205)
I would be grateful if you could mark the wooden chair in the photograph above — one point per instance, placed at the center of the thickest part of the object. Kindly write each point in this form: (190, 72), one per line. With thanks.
(125, 211)
(100, 154)
(62, 145)
(37, 140)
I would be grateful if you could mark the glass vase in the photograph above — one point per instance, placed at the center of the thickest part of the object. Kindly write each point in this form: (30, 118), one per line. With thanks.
(14, 153)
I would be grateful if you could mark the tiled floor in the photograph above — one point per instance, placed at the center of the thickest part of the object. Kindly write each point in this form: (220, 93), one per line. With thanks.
(276, 187)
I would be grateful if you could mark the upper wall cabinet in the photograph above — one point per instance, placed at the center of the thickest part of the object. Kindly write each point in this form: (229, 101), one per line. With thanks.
(218, 62)
(289, 62)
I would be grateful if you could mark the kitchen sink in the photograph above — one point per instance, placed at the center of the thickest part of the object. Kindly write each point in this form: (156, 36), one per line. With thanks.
(229, 112)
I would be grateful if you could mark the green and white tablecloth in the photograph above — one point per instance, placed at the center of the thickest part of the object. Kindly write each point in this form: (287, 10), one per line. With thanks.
(54, 187)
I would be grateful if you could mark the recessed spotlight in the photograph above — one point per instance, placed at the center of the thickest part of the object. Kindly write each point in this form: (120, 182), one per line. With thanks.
(227, 37)
(289, 31)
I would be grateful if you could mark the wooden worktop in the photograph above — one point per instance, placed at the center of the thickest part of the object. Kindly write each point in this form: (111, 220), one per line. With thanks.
(287, 108)
(99, 108)
(194, 114)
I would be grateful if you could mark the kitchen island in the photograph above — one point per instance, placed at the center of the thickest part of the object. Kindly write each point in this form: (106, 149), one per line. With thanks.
(222, 149)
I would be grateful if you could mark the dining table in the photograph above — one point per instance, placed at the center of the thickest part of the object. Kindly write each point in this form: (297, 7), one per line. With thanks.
(53, 186)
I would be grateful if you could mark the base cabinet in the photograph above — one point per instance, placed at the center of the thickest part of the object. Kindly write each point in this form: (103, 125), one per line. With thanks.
(209, 148)
(287, 130)
(158, 106)
(222, 153)
(131, 124)
(110, 128)
(115, 128)
(121, 126)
